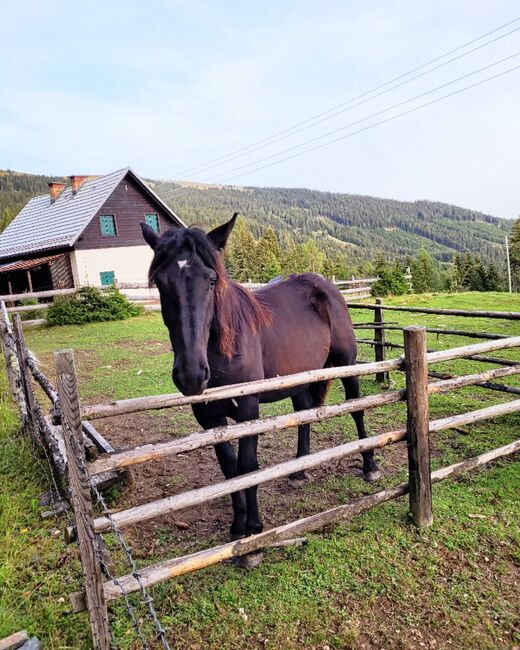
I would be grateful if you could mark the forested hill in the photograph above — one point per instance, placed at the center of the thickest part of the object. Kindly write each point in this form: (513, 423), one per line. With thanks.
(360, 227)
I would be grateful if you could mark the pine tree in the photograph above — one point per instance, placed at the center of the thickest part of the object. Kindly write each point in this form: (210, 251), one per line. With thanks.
(242, 254)
(268, 253)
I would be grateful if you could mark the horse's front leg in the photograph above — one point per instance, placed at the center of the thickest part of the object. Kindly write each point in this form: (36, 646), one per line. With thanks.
(248, 409)
(227, 459)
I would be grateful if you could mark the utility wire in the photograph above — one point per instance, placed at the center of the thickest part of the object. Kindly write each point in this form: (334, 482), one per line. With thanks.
(363, 119)
(308, 123)
(385, 121)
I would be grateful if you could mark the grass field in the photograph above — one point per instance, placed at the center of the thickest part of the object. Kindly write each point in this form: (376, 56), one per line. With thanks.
(375, 582)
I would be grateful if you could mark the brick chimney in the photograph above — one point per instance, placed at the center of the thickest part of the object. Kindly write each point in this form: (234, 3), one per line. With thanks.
(55, 189)
(76, 182)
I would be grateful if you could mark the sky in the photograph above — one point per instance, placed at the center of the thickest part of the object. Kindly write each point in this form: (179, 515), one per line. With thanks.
(166, 86)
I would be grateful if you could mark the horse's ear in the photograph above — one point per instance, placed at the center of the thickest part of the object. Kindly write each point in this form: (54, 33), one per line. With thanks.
(220, 235)
(150, 236)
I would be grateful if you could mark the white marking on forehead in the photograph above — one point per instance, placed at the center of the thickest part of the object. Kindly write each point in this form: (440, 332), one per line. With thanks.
(182, 263)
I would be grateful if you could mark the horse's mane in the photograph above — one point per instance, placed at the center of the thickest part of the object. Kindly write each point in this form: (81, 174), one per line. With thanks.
(236, 308)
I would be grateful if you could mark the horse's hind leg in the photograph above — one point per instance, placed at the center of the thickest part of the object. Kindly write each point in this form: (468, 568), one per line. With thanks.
(371, 471)
(301, 402)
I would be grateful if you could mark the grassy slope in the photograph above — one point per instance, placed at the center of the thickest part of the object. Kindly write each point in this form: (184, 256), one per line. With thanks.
(375, 582)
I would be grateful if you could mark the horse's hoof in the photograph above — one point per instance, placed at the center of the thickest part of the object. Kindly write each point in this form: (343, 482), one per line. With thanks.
(297, 477)
(370, 477)
(248, 561)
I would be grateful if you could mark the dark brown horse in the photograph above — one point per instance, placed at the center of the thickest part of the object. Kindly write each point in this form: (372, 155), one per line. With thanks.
(223, 334)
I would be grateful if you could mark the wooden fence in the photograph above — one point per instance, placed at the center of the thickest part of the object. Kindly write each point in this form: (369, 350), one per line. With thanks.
(83, 471)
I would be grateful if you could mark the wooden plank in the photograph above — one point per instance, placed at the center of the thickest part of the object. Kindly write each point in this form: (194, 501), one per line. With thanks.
(97, 438)
(417, 426)
(154, 451)
(133, 405)
(175, 567)
(81, 499)
(506, 315)
(216, 435)
(39, 294)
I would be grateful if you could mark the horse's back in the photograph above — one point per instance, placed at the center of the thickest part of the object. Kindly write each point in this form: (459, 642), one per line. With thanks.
(310, 318)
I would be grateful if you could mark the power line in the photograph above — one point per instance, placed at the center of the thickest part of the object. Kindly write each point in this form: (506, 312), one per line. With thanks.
(315, 119)
(371, 126)
(363, 119)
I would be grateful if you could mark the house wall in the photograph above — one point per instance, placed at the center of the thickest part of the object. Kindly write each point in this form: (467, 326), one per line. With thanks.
(129, 264)
(129, 205)
(61, 273)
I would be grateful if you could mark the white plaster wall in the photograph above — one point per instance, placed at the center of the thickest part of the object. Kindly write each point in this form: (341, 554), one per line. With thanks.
(129, 263)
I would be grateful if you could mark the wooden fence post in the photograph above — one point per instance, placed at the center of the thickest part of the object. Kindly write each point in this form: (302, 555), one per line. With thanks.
(24, 376)
(81, 498)
(379, 338)
(417, 426)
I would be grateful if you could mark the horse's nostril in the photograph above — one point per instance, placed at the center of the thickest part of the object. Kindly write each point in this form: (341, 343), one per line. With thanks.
(206, 374)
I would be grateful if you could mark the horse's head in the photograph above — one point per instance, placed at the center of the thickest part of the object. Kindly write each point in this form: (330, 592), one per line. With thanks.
(188, 271)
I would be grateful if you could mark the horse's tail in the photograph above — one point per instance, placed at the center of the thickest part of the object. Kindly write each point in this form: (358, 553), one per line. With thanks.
(318, 391)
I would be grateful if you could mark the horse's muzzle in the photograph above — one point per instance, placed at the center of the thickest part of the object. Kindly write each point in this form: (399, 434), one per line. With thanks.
(192, 381)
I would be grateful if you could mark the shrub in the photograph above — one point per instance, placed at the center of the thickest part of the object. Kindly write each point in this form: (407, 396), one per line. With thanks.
(91, 305)
(30, 315)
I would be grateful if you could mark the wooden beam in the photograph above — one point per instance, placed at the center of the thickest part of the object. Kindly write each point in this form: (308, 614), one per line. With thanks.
(434, 330)
(163, 571)
(133, 405)
(81, 499)
(417, 426)
(506, 315)
(97, 438)
(39, 294)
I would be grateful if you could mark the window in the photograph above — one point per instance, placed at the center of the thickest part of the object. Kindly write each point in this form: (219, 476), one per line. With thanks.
(107, 278)
(107, 225)
(153, 221)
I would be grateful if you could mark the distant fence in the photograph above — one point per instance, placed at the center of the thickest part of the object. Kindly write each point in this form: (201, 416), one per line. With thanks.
(358, 290)
(83, 472)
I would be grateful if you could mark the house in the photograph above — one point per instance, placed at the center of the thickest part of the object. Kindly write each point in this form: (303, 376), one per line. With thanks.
(86, 233)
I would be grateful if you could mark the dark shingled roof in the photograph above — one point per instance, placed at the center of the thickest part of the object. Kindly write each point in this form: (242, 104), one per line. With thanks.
(42, 225)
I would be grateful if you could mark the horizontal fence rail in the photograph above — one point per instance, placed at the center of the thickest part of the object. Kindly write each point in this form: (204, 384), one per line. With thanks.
(152, 402)
(135, 404)
(506, 315)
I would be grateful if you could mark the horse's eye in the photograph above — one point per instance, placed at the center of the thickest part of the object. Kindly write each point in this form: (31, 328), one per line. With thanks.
(212, 282)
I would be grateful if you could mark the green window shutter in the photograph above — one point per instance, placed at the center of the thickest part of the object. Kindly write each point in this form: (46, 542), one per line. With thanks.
(107, 225)
(153, 221)
(107, 278)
